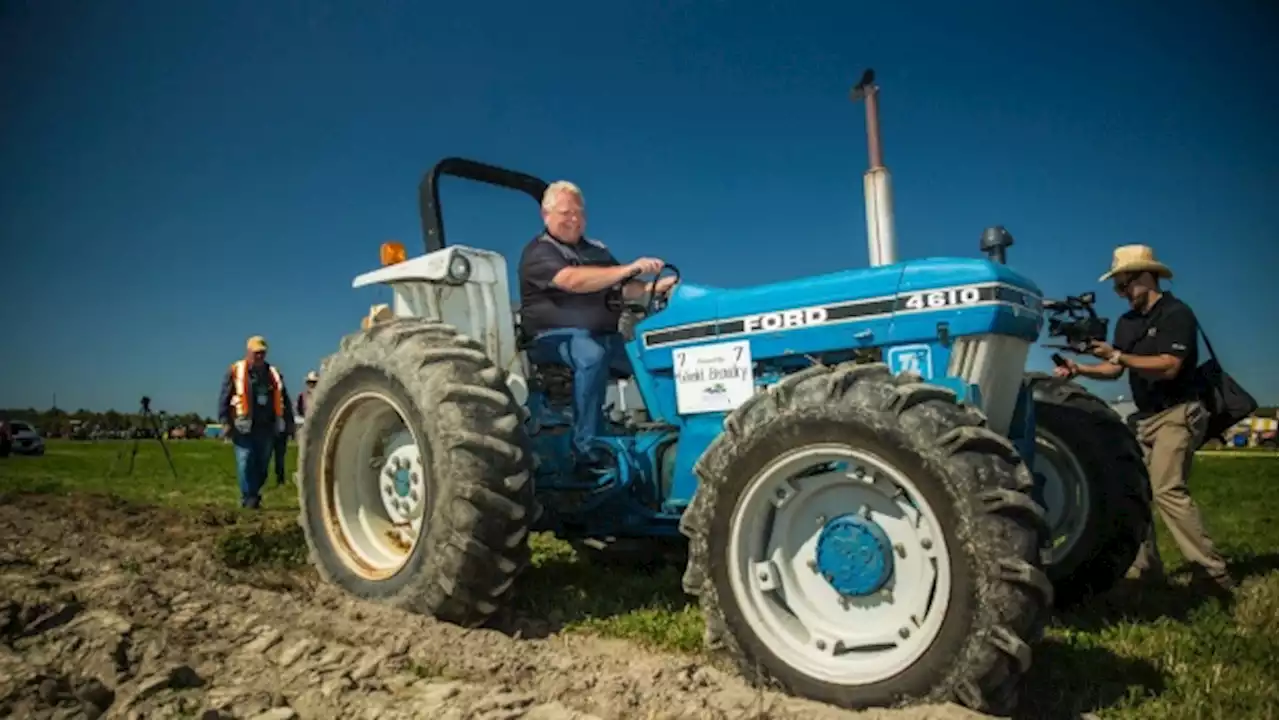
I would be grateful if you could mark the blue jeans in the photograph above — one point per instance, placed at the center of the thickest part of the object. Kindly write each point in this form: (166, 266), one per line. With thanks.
(591, 355)
(253, 451)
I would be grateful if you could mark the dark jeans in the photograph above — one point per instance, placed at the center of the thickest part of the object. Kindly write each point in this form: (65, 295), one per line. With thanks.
(253, 451)
(591, 355)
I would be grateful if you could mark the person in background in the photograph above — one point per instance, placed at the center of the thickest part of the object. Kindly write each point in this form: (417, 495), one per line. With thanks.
(251, 408)
(1156, 343)
(280, 448)
(304, 397)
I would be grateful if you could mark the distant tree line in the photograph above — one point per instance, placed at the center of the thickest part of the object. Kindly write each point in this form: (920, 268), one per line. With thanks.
(56, 422)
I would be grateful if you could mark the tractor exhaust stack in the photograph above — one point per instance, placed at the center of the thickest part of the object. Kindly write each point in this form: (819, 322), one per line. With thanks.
(882, 243)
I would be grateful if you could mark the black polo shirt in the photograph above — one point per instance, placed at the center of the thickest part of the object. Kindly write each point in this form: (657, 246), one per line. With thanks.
(1168, 328)
(543, 306)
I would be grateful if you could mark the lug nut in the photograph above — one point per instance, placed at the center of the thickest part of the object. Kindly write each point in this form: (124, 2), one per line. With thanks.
(926, 543)
(904, 633)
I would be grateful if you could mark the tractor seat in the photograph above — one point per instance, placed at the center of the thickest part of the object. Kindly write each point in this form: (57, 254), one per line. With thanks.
(524, 342)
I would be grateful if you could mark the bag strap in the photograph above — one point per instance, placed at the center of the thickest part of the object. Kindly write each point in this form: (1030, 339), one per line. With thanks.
(1207, 345)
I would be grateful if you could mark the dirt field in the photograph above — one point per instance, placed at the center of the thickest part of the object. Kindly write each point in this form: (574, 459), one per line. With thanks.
(147, 595)
(115, 610)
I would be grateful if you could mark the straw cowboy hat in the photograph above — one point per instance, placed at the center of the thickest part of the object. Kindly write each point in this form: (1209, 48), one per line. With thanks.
(256, 344)
(1136, 258)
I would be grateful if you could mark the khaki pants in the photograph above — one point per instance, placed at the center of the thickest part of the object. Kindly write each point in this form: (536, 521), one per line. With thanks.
(1168, 441)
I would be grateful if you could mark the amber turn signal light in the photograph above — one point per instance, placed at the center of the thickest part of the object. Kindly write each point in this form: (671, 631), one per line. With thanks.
(392, 252)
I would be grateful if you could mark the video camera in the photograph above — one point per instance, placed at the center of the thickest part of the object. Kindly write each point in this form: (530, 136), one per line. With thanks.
(1075, 320)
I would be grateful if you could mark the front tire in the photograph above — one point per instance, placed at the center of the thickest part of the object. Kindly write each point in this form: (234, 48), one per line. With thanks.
(414, 473)
(1096, 491)
(915, 545)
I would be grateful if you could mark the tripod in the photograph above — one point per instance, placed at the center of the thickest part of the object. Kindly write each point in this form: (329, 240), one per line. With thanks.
(146, 417)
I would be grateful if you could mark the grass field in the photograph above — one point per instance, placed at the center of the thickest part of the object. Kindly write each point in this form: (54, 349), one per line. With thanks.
(1150, 652)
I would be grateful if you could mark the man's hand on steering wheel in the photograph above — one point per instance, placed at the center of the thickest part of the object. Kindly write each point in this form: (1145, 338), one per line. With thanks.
(664, 285)
(646, 266)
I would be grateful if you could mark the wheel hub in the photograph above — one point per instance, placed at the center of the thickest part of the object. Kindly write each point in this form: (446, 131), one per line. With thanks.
(400, 481)
(1062, 490)
(854, 555)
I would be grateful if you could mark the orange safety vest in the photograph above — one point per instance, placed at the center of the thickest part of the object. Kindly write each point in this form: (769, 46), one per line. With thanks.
(240, 390)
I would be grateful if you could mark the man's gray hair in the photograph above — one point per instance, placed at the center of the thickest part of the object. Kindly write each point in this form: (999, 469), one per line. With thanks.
(558, 188)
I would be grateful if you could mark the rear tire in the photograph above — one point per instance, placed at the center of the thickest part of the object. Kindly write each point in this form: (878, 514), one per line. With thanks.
(452, 469)
(1097, 493)
(980, 598)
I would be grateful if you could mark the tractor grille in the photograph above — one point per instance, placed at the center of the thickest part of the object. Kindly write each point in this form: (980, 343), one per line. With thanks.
(995, 363)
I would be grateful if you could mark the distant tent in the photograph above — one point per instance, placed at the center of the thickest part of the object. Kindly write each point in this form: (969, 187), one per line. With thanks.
(213, 430)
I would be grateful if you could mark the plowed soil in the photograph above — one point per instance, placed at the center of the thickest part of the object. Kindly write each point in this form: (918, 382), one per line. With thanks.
(109, 610)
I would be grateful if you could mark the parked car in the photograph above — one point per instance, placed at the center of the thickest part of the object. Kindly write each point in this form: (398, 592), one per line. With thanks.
(26, 439)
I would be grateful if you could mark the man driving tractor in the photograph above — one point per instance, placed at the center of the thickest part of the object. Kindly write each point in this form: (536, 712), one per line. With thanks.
(565, 279)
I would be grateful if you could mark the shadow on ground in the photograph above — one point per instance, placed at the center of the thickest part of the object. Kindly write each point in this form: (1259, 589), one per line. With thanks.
(1072, 675)
(1175, 599)
(1066, 681)
(633, 589)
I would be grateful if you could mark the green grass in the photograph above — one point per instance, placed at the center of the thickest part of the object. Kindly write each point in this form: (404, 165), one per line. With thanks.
(1151, 652)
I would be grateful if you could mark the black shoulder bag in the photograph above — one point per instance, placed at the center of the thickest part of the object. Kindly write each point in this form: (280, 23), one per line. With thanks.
(1226, 401)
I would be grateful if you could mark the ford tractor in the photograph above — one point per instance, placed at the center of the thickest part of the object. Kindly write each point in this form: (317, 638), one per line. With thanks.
(879, 503)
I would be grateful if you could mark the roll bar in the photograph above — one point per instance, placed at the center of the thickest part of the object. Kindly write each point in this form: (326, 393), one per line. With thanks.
(429, 191)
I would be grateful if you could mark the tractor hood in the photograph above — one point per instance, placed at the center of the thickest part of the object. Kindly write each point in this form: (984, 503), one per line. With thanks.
(700, 313)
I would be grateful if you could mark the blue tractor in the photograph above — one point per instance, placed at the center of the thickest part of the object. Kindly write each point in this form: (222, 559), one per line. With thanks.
(879, 504)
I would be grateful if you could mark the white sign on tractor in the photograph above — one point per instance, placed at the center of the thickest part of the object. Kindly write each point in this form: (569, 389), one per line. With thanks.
(713, 378)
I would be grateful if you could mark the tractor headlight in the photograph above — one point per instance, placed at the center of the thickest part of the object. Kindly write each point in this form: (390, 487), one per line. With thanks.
(459, 269)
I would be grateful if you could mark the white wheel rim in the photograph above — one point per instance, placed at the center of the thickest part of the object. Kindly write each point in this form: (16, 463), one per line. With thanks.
(788, 603)
(374, 485)
(1065, 494)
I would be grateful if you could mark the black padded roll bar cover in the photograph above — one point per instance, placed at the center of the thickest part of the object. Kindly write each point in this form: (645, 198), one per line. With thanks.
(429, 191)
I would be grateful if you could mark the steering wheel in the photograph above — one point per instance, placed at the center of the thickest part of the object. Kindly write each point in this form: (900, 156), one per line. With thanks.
(653, 290)
(614, 300)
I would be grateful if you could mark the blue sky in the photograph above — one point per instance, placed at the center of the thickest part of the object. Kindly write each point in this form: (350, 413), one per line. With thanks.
(179, 176)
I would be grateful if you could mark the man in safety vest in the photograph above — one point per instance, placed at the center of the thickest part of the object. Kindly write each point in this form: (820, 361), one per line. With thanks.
(252, 407)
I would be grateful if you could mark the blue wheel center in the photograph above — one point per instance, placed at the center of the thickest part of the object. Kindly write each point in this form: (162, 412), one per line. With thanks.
(854, 555)
(402, 482)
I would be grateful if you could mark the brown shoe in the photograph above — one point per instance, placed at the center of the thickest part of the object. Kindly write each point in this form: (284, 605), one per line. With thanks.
(1219, 585)
(1224, 581)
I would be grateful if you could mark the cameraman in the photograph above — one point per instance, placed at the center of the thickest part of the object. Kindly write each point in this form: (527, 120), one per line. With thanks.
(1156, 342)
